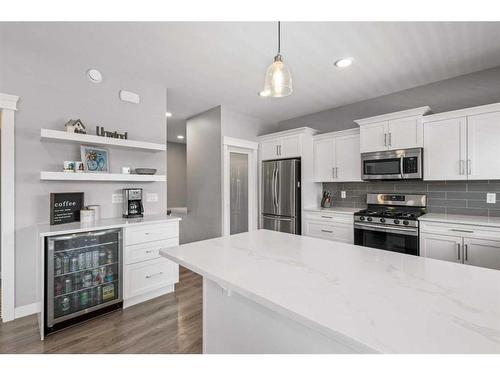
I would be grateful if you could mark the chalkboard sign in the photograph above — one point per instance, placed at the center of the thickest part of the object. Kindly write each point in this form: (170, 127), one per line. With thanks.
(65, 207)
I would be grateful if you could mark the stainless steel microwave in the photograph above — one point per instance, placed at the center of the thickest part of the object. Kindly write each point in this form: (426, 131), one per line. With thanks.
(392, 165)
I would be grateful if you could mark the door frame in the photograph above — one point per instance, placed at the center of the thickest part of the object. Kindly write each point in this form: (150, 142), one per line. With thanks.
(249, 148)
(8, 106)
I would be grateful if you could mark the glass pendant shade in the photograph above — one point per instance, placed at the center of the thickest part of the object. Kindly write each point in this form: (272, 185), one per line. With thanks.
(278, 82)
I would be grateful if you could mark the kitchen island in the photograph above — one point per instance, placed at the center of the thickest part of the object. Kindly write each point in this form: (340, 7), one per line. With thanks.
(271, 292)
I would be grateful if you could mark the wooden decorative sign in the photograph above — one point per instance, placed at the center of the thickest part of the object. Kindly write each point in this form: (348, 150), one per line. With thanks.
(65, 207)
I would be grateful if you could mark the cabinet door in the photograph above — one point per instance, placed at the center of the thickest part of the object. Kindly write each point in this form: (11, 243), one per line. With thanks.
(269, 149)
(347, 158)
(445, 149)
(483, 144)
(405, 133)
(441, 247)
(373, 137)
(324, 160)
(290, 147)
(482, 253)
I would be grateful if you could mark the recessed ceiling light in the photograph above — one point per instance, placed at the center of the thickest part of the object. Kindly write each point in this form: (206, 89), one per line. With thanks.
(94, 75)
(168, 114)
(180, 136)
(344, 63)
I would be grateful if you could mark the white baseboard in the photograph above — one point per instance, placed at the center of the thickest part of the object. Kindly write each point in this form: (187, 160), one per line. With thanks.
(26, 310)
(147, 296)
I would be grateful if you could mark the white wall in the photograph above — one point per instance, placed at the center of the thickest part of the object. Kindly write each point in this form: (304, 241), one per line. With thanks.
(51, 92)
(238, 125)
(176, 174)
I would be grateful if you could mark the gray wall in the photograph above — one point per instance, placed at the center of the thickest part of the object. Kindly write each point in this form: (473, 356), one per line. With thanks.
(465, 91)
(176, 174)
(51, 93)
(204, 192)
(451, 197)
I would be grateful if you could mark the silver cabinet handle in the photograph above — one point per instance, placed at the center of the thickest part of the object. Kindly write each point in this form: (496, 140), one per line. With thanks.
(466, 249)
(458, 251)
(385, 139)
(333, 172)
(462, 168)
(153, 275)
(390, 139)
(326, 231)
(149, 251)
(469, 167)
(462, 230)
(277, 150)
(336, 172)
(327, 217)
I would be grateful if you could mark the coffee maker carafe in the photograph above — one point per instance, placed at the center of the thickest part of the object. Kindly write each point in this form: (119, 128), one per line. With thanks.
(132, 203)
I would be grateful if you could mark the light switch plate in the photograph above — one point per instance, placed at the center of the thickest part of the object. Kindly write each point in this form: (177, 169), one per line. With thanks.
(491, 198)
(343, 194)
(117, 198)
(152, 197)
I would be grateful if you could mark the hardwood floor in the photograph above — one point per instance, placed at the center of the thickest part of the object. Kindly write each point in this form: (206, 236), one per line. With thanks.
(167, 324)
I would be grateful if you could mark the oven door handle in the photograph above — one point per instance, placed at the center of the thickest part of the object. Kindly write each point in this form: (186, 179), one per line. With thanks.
(402, 166)
(376, 228)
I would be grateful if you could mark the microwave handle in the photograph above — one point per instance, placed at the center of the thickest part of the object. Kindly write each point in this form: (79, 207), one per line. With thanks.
(402, 165)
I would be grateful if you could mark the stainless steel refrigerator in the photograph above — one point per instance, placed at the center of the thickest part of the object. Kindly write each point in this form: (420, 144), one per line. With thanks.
(281, 195)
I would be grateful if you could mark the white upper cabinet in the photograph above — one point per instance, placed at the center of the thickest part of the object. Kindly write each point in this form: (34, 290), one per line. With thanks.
(392, 131)
(445, 149)
(290, 146)
(337, 157)
(269, 149)
(461, 145)
(324, 159)
(483, 144)
(281, 147)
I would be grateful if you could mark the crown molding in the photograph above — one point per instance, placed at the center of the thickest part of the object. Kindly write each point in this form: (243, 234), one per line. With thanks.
(8, 101)
(420, 111)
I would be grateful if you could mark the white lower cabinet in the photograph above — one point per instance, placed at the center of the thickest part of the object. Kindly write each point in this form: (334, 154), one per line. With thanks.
(329, 226)
(473, 245)
(146, 274)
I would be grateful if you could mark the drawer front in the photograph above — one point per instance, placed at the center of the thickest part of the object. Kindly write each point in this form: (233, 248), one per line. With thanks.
(147, 251)
(329, 217)
(464, 230)
(153, 232)
(338, 232)
(146, 276)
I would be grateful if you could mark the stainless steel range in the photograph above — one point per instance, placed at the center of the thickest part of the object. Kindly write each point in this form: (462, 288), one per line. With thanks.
(390, 222)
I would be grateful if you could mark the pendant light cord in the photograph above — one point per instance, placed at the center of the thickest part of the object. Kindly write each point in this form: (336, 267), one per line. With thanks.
(279, 37)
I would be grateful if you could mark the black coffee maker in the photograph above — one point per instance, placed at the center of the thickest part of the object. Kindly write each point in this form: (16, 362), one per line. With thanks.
(132, 203)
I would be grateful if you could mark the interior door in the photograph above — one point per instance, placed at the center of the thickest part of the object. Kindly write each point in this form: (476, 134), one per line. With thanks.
(445, 149)
(404, 133)
(483, 133)
(347, 158)
(482, 253)
(269, 203)
(436, 246)
(324, 159)
(374, 137)
(238, 192)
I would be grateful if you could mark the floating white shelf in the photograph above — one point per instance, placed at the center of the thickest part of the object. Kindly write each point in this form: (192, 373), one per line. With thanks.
(97, 140)
(73, 176)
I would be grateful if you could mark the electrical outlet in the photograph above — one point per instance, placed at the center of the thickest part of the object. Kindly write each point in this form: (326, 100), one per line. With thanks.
(151, 197)
(117, 198)
(343, 194)
(491, 198)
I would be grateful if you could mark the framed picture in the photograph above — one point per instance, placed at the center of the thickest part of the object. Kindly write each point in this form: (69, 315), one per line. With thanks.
(65, 207)
(95, 159)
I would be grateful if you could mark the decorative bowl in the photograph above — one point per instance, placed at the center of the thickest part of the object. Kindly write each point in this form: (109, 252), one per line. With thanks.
(145, 170)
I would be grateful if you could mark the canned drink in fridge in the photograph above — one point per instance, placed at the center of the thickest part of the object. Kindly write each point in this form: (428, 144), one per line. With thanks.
(67, 285)
(88, 259)
(81, 261)
(76, 281)
(84, 299)
(76, 302)
(95, 258)
(87, 279)
(92, 297)
(65, 264)
(99, 295)
(73, 266)
(58, 286)
(65, 305)
(57, 265)
(96, 277)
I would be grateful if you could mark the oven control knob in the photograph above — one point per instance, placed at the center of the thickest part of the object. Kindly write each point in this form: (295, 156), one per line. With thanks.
(405, 222)
(369, 219)
(382, 220)
(396, 221)
(362, 218)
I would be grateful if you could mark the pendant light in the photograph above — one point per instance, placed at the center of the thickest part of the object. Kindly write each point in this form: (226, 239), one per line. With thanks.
(278, 82)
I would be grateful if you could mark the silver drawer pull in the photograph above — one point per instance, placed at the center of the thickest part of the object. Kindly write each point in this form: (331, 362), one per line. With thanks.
(327, 217)
(326, 231)
(462, 230)
(153, 275)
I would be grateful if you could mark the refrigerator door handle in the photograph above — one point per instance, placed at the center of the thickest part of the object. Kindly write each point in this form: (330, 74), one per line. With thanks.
(275, 202)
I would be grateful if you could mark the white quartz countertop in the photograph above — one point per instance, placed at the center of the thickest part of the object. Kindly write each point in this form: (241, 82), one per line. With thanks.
(372, 300)
(462, 219)
(45, 230)
(340, 210)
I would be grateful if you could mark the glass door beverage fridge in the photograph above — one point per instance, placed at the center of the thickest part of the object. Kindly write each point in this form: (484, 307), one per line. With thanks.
(83, 277)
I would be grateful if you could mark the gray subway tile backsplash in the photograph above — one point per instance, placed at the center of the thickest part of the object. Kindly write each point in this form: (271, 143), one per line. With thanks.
(452, 197)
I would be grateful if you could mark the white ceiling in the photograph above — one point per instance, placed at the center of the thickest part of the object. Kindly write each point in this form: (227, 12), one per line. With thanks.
(207, 64)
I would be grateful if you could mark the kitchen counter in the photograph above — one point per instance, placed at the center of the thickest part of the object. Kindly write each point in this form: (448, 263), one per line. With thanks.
(339, 210)
(267, 291)
(46, 230)
(462, 219)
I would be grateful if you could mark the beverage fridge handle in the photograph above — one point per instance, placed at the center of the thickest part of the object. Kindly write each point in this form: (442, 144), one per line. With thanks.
(385, 139)
(458, 251)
